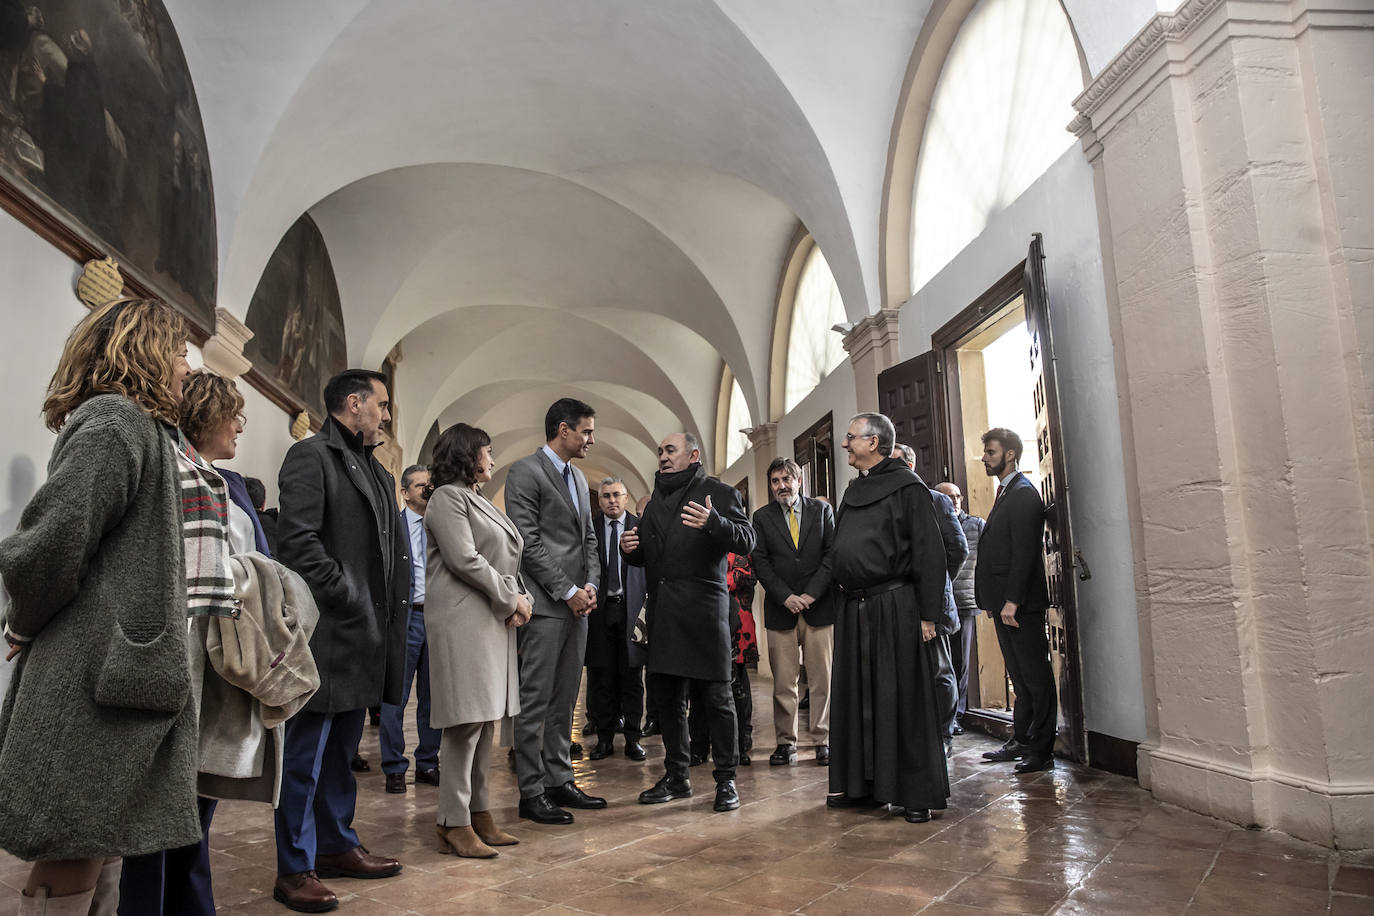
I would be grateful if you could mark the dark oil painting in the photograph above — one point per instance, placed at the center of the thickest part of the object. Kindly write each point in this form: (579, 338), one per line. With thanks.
(297, 323)
(100, 131)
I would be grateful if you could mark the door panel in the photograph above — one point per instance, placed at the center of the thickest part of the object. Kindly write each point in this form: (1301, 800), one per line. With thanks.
(1062, 619)
(912, 395)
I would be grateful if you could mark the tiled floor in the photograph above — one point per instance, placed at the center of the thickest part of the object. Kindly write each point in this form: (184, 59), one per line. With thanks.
(1073, 841)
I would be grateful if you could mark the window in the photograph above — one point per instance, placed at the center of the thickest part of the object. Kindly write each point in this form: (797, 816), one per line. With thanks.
(997, 122)
(813, 349)
(736, 442)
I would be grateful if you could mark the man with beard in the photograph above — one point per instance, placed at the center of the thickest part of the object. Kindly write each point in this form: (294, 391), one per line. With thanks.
(1010, 582)
(889, 562)
(687, 532)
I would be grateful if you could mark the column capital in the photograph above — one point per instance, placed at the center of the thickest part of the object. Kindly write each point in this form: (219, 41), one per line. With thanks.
(874, 332)
(223, 352)
(763, 438)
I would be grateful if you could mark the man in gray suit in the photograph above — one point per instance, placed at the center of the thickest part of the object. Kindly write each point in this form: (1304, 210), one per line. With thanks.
(548, 500)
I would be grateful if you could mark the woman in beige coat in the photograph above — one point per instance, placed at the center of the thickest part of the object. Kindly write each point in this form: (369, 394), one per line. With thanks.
(474, 600)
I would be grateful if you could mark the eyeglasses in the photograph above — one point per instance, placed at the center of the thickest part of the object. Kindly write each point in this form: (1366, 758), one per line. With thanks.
(850, 437)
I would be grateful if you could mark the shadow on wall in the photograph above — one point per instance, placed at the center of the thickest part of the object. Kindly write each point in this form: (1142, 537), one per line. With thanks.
(23, 483)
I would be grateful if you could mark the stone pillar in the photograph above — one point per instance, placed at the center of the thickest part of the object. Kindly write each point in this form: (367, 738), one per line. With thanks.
(1231, 141)
(872, 347)
(763, 442)
(223, 352)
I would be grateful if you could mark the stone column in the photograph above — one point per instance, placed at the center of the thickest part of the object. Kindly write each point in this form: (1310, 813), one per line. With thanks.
(763, 442)
(223, 352)
(1231, 142)
(872, 347)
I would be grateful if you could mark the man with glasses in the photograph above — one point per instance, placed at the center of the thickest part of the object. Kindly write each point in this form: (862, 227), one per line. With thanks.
(889, 563)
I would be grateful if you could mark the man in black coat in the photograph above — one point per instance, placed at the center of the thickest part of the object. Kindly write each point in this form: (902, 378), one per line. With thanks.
(1010, 583)
(616, 694)
(688, 530)
(793, 537)
(338, 531)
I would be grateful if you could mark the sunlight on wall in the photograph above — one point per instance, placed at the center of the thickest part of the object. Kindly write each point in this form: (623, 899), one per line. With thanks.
(997, 122)
(1007, 369)
(736, 442)
(813, 349)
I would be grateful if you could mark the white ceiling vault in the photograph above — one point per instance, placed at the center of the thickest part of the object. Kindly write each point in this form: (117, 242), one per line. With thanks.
(550, 197)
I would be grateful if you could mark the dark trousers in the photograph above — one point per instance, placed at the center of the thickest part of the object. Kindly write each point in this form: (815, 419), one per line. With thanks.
(716, 703)
(698, 724)
(174, 882)
(961, 656)
(318, 791)
(1026, 651)
(619, 690)
(594, 692)
(946, 686)
(393, 737)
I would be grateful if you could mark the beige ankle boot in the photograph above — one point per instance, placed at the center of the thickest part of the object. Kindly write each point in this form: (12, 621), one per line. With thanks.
(485, 827)
(43, 905)
(464, 842)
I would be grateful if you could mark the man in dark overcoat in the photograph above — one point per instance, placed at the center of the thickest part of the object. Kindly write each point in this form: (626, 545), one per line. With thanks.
(615, 696)
(683, 541)
(1010, 582)
(338, 531)
(889, 563)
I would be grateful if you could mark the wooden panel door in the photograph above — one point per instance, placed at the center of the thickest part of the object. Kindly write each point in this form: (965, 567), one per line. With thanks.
(814, 452)
(1062, 619)
(912, 395)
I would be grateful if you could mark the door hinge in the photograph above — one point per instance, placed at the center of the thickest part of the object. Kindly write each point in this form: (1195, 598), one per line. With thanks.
(1084, 573)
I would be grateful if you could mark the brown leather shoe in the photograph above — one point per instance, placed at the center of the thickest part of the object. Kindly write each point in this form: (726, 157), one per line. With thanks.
(356, 863)
(304, 893)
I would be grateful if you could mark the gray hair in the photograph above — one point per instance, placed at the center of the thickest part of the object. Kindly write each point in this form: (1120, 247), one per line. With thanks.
(905, 452)
(692, 442)
(409, 474)
(607, 481)
(876, 424)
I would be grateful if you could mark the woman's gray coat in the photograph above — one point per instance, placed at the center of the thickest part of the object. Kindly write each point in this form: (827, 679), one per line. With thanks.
(98, 728)
(472, 582)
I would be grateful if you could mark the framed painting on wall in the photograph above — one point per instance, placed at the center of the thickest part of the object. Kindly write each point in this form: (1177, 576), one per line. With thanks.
(102, 151)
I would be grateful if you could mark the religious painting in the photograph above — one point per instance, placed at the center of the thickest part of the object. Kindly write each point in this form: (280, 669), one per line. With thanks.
(102, 149)
(297, 323)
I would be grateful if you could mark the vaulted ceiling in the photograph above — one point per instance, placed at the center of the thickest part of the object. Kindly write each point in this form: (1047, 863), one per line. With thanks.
(550, 197)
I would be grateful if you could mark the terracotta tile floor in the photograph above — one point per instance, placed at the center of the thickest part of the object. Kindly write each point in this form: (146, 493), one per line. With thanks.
(1072, 841)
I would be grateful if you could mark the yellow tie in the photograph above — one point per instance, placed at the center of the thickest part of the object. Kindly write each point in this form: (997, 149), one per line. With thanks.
(792, 526)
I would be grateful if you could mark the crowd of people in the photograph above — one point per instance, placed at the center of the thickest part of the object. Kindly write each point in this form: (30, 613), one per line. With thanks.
(177, 644)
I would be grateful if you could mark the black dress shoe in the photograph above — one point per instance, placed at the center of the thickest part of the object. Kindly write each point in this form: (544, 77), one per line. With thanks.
(849, 801)
(542, 811)
(575, 751)
(958, 729)
(665, 790)
(603, 750)
(570, 796)
(784, 755)
(588, 727)
(1009, 751)
(650, 728)
(634, 750)
(1034, 764)
(822, 755)
(743, 760)
(396, 783)
(917, 815)
(727, 797)
(696, 760)
(949, 747)
(360, 764)
(429, 777)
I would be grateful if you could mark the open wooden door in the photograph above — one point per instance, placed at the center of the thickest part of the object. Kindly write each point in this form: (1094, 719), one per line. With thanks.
(912, 395)
(1062, 619)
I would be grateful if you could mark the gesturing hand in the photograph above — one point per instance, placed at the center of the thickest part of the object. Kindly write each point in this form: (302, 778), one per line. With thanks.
(695, 515)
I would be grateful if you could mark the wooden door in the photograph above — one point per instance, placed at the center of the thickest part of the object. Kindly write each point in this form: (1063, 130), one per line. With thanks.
(912, 395)
(814, 452)
(1062, 619)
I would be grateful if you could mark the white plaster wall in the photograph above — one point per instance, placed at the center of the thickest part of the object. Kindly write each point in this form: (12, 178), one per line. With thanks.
(265, 439)
(1061, 205)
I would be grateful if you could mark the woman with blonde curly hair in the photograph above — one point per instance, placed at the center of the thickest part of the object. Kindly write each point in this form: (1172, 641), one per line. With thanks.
(97, 730)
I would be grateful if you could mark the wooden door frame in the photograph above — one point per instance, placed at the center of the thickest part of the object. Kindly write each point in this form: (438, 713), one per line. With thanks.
(981, 314)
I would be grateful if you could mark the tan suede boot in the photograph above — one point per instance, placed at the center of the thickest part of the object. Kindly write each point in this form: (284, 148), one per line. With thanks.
(485, 826)
(43, 905)
(463, 841)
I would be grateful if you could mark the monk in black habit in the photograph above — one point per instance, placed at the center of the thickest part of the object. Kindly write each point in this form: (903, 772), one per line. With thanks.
(889, 563)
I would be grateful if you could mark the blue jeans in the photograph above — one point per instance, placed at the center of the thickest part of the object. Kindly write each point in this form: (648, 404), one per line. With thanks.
(393, 728)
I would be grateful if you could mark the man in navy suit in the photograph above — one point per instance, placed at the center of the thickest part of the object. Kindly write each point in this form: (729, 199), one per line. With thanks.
(618, 703)
(1009, 582)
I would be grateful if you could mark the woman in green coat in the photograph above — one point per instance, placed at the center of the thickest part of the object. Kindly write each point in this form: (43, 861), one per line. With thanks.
(97, 730)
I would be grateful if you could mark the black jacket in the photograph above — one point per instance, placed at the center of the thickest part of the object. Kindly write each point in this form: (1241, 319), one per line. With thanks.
(956, 552)
(785, 570)
(599, 643)
(689, 604)
(1011, 564)
(963, 584)
(338, 530)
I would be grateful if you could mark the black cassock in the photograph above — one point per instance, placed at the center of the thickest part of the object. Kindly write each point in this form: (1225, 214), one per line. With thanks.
(884, 716)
